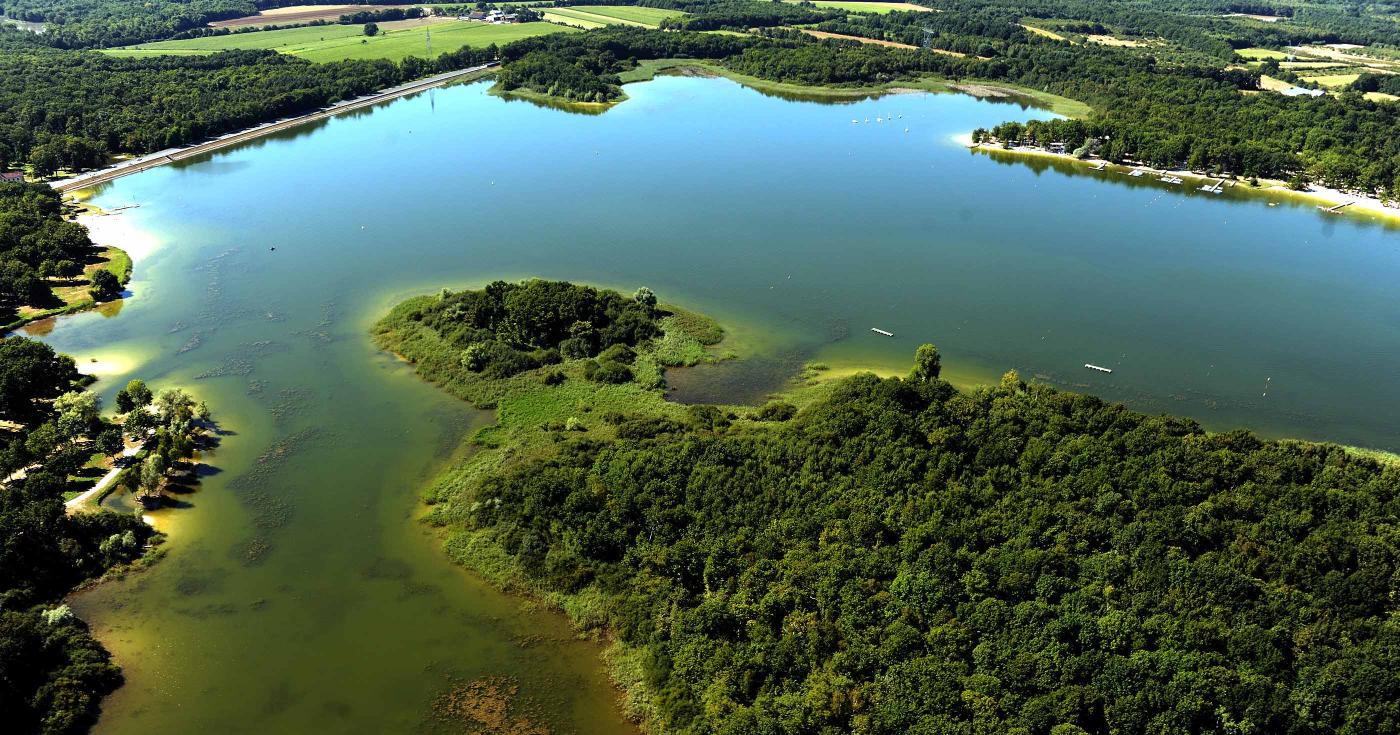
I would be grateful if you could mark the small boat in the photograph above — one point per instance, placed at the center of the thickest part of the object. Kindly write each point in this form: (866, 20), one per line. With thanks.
(1098, 368)
(881, 331)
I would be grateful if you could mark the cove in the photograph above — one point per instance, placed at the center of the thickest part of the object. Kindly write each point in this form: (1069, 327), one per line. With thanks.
(299, 592)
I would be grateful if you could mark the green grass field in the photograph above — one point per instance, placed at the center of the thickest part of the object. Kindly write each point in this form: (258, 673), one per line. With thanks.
(862, 7)
(567, 17)
(596, 16)
(1261, 53)
(337, 42)
(1333, 81)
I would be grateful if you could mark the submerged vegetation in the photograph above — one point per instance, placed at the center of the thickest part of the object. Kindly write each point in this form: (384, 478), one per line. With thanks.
(901, 557)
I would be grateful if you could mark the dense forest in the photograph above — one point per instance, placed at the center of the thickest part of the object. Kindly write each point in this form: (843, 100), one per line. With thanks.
(52, 672)
(899, 557)
(36, 244)
(508, 328)
(63, 109)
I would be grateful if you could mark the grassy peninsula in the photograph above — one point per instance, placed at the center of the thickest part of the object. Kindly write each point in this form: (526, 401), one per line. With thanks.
(48, 264)
(897, 556)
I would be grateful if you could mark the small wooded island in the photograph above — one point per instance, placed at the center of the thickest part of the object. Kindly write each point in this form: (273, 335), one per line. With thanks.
(892, 555)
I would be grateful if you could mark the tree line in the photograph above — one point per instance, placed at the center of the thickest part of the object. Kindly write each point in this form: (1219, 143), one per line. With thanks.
(69, 110)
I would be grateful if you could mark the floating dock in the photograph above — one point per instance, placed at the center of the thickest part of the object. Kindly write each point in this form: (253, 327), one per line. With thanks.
(881, 331)
(1098, 368)
(1337, 208)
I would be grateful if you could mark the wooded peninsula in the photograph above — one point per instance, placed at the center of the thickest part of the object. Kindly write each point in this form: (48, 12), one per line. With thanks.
(895, 556)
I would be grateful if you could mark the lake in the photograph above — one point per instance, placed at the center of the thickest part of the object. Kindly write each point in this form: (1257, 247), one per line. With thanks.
(300, 593)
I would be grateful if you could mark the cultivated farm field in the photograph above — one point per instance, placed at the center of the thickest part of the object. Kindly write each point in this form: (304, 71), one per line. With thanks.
(595, 16)
(396, 41)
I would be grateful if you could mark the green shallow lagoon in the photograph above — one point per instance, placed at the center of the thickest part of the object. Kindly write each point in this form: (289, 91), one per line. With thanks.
(300, 594)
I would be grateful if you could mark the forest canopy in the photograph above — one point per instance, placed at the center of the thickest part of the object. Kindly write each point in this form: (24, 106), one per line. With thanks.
(508, 328)
(900, 557)
(52, 672)
(36, 243)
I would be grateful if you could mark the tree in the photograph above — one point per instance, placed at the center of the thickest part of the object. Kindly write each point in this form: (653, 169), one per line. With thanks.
(371, 29)
(138, 424)
(174, 404)
(135, 395)
(927, 364)
(109, 442)
(67, 269)
(645, 297)
(77, 413)
(153, 472)
(29, 373)
(105, 286)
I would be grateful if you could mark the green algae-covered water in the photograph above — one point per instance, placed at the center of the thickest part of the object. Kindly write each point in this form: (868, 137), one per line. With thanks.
(299, 594)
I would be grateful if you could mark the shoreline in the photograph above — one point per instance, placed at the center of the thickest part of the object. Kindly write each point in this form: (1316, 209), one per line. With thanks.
(648, 70)
(171, 155)
(1352, 204)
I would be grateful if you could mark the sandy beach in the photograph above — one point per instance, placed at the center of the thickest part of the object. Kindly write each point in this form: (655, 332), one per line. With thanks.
(1356, 204)
(114, 230)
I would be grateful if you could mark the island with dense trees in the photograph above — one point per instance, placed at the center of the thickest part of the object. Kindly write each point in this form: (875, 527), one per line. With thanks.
(52, 672)
(891, 555)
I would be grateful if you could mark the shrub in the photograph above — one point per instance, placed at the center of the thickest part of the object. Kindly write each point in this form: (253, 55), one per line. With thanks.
(776, 411)
(612, 372)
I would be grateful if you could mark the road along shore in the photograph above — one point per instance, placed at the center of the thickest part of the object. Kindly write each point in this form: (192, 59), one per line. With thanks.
(171, 155)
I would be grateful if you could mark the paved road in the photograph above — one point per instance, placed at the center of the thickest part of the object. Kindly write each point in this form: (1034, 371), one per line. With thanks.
(170, 155)
(81, 500)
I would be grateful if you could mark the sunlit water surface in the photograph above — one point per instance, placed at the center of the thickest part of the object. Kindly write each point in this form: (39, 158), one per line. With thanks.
(301, 595)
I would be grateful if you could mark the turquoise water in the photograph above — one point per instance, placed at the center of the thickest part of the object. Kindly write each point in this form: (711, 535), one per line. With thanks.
(300, 591)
